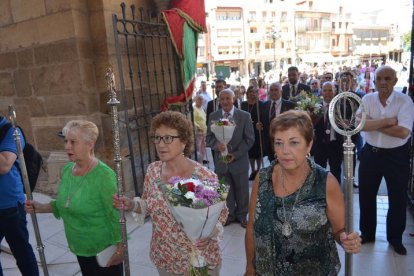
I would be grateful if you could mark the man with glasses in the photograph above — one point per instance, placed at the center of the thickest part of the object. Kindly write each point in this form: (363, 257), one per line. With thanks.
(234, 170)
(327, 76)
(315, 87)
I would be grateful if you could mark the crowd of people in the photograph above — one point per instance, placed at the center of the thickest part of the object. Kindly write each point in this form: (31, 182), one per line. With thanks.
(295, 214)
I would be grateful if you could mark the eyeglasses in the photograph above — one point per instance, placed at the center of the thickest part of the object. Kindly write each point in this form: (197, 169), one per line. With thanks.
(314, 83)
(167, 139)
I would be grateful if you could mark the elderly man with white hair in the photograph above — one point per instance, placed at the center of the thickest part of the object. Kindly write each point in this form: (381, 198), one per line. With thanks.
(235, 170)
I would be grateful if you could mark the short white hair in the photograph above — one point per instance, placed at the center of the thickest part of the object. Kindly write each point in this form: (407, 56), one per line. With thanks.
(228, 91)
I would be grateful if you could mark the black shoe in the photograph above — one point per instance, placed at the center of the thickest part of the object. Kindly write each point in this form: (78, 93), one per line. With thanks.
(205, 162)
(243, 223)
(399, 248)
(365, 239)
(228, 222)
(355, 184)
(252, 175)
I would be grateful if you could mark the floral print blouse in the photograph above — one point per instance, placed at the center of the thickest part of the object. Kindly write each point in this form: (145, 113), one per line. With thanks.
(170, 248)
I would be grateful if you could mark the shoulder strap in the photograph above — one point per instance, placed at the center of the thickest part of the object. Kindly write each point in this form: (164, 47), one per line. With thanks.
(3, 131)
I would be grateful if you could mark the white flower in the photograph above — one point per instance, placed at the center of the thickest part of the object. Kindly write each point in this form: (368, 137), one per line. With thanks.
(190, 195)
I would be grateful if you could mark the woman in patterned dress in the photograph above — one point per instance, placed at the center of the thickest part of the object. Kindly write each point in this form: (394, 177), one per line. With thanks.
(297, 211)
(170, 249)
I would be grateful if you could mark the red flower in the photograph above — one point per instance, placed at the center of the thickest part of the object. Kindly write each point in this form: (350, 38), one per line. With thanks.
(189, 185)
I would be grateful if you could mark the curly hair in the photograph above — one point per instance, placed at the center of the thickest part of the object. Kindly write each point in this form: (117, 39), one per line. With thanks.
(179, 122)
(293, 118)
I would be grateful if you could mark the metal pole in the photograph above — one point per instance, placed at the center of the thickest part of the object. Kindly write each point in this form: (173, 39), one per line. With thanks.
(22, 164)
(260, 132)
(349, 197)
(113, 102)
(348, 126)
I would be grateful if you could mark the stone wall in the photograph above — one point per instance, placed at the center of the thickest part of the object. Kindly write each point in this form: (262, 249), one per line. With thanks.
(53, 58)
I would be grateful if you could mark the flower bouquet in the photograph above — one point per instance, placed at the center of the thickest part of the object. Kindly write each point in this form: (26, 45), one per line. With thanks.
(223, 130)
(196, 205)
(308, 102)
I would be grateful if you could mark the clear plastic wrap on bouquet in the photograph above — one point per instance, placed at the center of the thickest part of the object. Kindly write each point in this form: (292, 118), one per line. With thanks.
(198, 224)
(223, 130)
(196, 205)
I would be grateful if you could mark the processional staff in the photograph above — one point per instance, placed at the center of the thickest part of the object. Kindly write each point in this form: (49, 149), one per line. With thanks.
(343, 118)
(22, 164)
(113, 102)
(260, 131)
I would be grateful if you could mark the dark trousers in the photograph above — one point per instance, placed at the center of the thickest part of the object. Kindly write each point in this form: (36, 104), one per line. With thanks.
(331, 153)
(90, 267)
(238, 197)
(13, 227)
(393, 165)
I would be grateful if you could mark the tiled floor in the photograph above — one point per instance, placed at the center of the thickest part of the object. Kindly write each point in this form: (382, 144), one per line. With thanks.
(375, 259)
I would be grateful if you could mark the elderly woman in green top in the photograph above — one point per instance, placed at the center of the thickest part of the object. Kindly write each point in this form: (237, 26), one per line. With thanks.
(84, 202)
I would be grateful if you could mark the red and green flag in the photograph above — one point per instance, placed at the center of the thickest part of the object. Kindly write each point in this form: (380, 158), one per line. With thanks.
(185, 20)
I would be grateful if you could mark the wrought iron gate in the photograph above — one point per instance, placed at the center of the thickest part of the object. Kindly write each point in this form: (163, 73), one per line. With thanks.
(149, 72)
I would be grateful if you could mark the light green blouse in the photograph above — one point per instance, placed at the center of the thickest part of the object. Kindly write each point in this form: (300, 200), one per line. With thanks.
(91, 223)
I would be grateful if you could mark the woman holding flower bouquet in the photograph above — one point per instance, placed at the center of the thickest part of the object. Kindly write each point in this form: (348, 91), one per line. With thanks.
(297, 209)
(171, 249)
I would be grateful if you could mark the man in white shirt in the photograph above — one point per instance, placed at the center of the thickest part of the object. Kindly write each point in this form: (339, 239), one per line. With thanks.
(203, 92)
(390, 116)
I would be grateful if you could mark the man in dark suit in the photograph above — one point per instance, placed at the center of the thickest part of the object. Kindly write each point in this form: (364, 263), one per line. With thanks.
(327, 145)
(214, 104)
(272, 108)
(293, 88)
(236, 170)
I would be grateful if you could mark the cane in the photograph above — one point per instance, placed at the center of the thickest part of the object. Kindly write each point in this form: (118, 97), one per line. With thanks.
(22, 164)
(113, 102)
(260, 132)
(347, 124)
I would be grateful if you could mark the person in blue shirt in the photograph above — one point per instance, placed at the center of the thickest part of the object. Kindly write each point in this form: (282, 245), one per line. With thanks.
(13, 224)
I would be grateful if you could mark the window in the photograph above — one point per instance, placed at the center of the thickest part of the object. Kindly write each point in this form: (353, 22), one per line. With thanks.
(222, 33)
(223, 50)
(236, 32)
(283, 17)
(201, 51)
(316, 24)
(252, 15)
(264, 15)
(333, 42)
(253, 30)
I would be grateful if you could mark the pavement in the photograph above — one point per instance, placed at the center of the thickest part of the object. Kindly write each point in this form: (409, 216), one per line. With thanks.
(375, 258)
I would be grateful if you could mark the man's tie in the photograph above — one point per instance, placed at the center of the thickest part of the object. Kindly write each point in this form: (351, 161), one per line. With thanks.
(226, 115)
(293, 90)
(273, 110)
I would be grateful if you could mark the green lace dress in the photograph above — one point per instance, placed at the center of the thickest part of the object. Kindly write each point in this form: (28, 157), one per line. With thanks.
(311, 249)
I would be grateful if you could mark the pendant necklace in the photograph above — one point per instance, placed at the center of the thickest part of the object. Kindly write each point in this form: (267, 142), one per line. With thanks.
(287, 229)
(69, 196)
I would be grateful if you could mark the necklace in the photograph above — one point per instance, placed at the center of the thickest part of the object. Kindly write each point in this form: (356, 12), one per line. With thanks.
(287, 229)
(69, 196)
